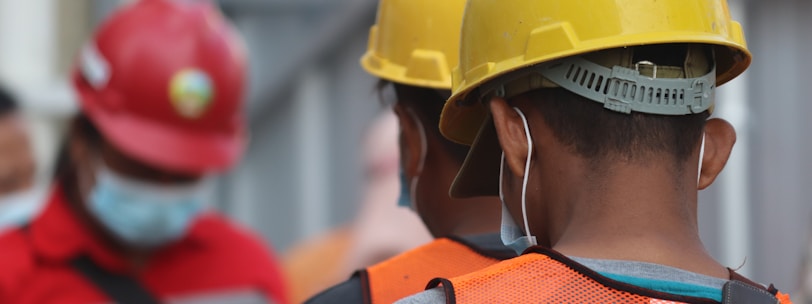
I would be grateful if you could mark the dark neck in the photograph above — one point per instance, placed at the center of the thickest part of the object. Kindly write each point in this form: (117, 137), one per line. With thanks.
(640, 213)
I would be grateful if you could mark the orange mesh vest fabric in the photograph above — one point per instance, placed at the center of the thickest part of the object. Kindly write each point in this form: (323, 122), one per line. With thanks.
(549, 278)
(407, 274)
(783, 298)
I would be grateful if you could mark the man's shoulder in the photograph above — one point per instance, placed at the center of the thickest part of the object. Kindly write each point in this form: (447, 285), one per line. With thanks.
(217, 231)
(488, 245)
(16, 249)
(228, 241)
(434, 295)
(17, 258)
(350, 291)
(237, 254)
(442, 249)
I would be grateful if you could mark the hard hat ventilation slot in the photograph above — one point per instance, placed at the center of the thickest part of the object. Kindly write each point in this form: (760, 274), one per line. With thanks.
(586, 79)
(624, 90)
(583, 77)
(571, 69)
(598, 86)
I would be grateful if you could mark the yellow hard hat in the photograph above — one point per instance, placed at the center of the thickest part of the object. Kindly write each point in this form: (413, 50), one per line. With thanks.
(415, 42)
(500, 37)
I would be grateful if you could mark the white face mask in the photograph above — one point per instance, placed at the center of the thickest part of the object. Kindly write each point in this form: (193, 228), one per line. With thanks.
(513, 236)
(18, 208)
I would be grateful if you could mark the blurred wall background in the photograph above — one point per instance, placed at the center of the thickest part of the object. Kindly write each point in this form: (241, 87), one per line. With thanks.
(309, 102)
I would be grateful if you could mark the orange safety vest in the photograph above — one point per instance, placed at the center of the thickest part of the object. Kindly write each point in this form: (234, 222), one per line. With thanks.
(545, 276)
(407, 273)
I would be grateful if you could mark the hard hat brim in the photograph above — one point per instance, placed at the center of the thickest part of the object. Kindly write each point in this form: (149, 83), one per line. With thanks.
(391, 72)
(479, 173)
(170, 149)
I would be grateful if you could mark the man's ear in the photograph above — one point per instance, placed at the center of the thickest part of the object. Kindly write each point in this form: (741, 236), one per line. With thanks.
(510, 130)
(411, 142)
(719, 140)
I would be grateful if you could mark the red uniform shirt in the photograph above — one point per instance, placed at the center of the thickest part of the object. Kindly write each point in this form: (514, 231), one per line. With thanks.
(215, 262)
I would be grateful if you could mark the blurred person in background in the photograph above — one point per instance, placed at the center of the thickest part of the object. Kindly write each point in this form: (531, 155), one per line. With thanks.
(412, 49)
(160, 87)
(380, 230)
(19, 200)
(590, 119)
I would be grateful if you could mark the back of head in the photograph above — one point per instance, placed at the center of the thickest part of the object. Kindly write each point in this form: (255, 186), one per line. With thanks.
(606, 130)
(412, 48)
(620, 77)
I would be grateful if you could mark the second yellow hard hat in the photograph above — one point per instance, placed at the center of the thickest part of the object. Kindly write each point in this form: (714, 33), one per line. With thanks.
(415, 42)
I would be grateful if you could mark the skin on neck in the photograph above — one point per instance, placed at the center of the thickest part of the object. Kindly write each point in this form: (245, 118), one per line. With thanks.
(625, 209)
(442, 215)
(85, 155)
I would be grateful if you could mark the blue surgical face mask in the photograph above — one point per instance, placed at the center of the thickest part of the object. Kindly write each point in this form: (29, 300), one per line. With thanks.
(143, 214)
(405, 199)
(18, 208)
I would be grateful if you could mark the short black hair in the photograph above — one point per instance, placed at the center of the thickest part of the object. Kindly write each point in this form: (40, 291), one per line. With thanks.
(427, 103)
(65, 171)
(599, 134)
(8, 104)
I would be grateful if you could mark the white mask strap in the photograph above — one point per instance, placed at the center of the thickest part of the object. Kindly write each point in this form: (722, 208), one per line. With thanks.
(526, 175)
(501, 171)
(701, 158)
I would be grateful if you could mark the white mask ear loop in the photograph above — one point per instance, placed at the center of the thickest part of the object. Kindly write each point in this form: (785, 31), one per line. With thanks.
(526, 175)
(501, 171)
(701, 158)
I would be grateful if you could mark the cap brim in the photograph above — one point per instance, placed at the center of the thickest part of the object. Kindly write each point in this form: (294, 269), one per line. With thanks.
(479, 174)
(171, 149)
